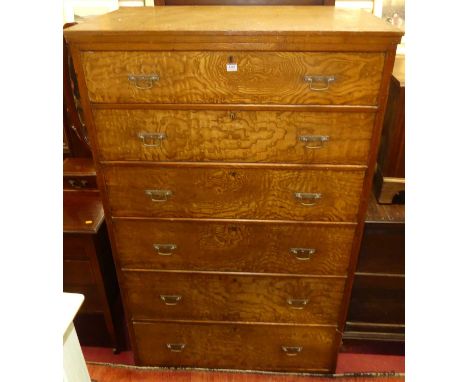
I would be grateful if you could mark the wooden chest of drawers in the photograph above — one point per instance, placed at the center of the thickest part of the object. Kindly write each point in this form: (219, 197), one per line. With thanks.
(234, 148)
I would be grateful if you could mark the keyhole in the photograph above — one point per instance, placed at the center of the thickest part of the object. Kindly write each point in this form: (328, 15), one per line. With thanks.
(232, 115)
(233, 174)
(232, 228)
(231, 59)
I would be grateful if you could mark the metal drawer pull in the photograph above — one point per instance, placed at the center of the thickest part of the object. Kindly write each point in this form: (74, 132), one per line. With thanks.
(143, 81)
(291, 350)
(315, 140)
(307, 196)
(165, 249)
(170, 299)
(176, 348)
(298, 303)
(302, 253)
(152, 139)
(326, 80)
(78, 183)
(159, 195)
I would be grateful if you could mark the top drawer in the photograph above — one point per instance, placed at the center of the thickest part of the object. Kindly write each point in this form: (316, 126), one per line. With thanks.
(239, 77)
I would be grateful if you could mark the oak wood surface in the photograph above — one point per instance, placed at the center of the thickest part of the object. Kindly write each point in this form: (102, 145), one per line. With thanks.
(245, 20)
(234, 246)
(233, 297)
(261, 77)
(233, 136)
(267, 34)
(233, 193)
(253, 347)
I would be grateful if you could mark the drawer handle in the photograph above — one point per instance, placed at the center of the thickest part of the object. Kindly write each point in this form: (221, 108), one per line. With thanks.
(159, 196)
(292, 350)
(152, 139)
(307, 196)
(176, 348)
(165, 249)
(78, 183)
(313, 141)
(302, 253)
(298, 303)
(143, 81)
(170, 299)
(326, 80)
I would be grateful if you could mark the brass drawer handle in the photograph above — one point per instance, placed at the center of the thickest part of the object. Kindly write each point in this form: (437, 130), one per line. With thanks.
(313, 141)
(307, 196)
(292, 350)
(165, 249)
(78, 183)
(326, 80)
(152, 139)
(298, 303)
(170, 299)
(143, 81)
(159, 196)
(176, 348)
(302, 253)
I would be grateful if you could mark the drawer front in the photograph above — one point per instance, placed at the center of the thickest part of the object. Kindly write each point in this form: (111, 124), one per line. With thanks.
(225, 297)
(234, 246)
(261, 77)
(77, 246)
(77, 272)
(233, 193)
(253, 347)
(233, 136)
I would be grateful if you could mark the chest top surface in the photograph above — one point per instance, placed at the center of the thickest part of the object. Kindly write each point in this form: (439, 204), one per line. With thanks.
(231, 20)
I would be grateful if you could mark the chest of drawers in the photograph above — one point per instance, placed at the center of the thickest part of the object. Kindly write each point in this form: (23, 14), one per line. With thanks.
(234, 148)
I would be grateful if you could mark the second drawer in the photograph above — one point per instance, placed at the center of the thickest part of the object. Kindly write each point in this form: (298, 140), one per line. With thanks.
(233, 297)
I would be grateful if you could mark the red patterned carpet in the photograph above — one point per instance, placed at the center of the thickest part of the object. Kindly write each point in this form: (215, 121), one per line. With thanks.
(124, 373)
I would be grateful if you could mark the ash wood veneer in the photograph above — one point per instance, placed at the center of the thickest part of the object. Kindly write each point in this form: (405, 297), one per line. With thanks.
(234, 136)
(252, 347)
(235, 246)
(233, 297)
(233, 193)
(261, 77)
(232, 89)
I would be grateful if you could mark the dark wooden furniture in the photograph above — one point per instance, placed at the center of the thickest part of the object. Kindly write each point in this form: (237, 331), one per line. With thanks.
(390, 173)
(220, 135)
(88, 266)
(75, 140)
(376, 314)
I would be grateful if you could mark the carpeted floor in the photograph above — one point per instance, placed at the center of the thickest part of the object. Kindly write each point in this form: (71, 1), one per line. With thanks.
(100, 372)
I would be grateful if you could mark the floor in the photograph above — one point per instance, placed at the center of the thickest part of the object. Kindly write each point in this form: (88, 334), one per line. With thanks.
(347, 363)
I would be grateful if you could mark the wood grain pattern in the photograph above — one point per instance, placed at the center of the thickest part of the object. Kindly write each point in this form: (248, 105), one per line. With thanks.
(234, 246)
(233, 193)
(262, 77)
(233, 297)
(253, 347)
(229, 21)
(233, 136)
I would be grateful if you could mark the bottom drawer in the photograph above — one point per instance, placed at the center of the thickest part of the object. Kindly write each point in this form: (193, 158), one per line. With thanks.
(237, 346)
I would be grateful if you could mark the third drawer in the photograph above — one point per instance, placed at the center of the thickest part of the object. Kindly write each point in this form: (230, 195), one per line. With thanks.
(234, 246)
(234, 192)
(233, 297)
